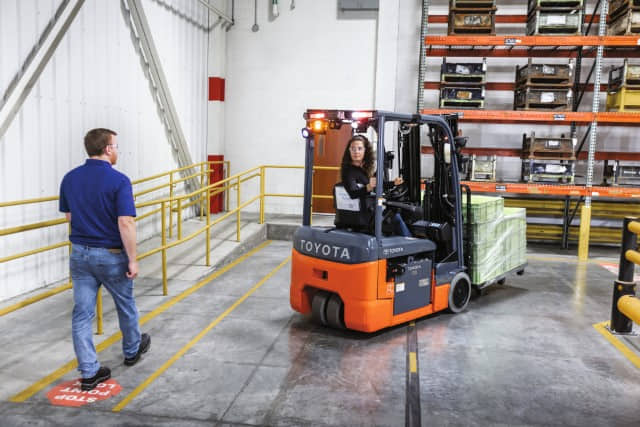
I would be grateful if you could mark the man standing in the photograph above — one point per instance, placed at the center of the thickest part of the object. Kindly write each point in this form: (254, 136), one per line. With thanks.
(98, 201)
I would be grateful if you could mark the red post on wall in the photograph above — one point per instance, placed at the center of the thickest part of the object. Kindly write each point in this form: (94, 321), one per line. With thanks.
(216, 204)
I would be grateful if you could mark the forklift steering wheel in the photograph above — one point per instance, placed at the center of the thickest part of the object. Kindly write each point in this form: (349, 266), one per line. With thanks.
(397, 192)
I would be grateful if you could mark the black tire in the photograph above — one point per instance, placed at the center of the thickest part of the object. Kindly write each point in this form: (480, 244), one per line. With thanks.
(459, 292)
(319, 307)
(335, 312)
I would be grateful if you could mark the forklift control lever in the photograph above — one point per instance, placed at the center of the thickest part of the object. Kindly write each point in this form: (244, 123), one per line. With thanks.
(416, 210)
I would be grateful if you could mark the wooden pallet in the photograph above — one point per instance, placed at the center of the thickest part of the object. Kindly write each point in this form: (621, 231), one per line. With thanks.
(467, 22)
(538, 99)
(545, 75)
(623, 99)
(542, 22)
(627, 23)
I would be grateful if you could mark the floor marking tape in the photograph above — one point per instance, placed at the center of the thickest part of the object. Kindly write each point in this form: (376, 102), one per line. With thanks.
(124, 402)
(63, 370)
(628, 353)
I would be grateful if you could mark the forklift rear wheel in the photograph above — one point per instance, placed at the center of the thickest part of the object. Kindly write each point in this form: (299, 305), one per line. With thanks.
(335, 312)
(319, 307)
(459, 293)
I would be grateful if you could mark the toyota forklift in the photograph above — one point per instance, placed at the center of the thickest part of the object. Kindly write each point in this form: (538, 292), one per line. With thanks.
(358, 275)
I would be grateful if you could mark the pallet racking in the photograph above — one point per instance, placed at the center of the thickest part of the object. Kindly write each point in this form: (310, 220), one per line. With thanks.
(549, 46)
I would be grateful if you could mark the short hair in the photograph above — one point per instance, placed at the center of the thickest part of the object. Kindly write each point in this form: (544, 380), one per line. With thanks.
(96, 140)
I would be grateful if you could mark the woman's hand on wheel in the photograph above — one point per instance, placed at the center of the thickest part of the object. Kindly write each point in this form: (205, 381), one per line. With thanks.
(398, 181)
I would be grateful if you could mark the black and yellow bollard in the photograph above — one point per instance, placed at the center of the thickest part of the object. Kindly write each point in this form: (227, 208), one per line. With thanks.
(624, 285)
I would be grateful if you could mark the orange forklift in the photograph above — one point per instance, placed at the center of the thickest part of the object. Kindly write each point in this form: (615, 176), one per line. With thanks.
(358, 275)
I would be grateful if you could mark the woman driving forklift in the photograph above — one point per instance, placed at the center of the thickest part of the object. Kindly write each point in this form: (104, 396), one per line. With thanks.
(357, 175)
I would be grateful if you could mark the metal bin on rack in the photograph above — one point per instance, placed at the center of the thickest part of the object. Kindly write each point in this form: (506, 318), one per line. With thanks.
(618, 7)
(474, 73)
(625, 23)
(472, 4)
(556, 4)
(483, 168)
(542, 22)
(472, 22)
(461, 97)
(556, 171)
(547, 75)
(623, 99)
(548, 148)
(626, 75)
(621, 174)
(529, 98)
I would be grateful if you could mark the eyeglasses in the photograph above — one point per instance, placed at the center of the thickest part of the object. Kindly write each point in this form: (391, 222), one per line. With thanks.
(355, 148)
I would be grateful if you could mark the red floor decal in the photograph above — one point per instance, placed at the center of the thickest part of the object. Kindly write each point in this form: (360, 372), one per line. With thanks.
(69, 393)
(613, 267)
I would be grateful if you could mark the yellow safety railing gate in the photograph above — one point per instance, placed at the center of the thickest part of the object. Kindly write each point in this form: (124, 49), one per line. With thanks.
(626, 307)
(165, 207)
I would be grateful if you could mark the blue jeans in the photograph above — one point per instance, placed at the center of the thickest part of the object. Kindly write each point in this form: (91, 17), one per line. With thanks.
(91, 267)
(399, 226)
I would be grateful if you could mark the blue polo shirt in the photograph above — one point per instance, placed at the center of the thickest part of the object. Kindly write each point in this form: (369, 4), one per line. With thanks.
(96, 195)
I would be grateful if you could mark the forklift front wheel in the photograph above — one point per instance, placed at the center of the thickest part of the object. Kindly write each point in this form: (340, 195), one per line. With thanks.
(459, 293)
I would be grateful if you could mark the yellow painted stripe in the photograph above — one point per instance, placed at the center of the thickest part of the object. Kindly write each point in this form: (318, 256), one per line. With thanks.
(63, 370)
(569, 258)
(628, 353)
(124, 402)
(413, 362)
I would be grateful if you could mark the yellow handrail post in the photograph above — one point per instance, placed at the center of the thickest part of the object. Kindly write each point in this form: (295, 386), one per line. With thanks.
(179, 219)
(208, 233)
(226, 193)
(171, 205)
(99, 310)
(262, 194)
(201, 194)
(164, 249)
(238, 212)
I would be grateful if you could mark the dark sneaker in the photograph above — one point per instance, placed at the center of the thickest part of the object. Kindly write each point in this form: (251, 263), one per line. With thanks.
(145, 343)
(102, 375)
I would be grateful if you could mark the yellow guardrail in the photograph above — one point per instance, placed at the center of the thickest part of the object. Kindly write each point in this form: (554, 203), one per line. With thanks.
(625, 306)
(166, 207)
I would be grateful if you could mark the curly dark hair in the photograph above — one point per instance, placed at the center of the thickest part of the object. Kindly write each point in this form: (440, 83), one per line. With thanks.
(368, 162)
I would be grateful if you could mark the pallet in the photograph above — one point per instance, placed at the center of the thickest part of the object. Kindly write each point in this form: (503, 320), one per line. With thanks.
(483, 168)
(626, 75)
(623, 100)
(561, 172)
(501, 279)
(463, 73)
(617, 174)
(536, 99)
(624, 24)
(468, 22)
(472, 4)
(542, 22)
(548, 148)
(619, 7)
(545, 75)
(463, 97)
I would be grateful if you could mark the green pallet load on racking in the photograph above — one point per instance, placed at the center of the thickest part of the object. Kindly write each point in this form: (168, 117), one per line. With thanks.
(498, 238)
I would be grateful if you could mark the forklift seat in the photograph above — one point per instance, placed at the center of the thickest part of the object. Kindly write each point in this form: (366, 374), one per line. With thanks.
(351, 213)
(432, 230)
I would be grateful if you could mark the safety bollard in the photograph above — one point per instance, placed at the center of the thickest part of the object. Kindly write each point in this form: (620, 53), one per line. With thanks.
(624, 285)
(619, 322)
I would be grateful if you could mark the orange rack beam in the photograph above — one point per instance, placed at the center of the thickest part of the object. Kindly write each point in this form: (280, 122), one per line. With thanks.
(530, 46)
(516, 152)
(555, 190)
(540, 117)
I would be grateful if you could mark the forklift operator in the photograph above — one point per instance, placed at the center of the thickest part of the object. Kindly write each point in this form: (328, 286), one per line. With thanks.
(356, 173)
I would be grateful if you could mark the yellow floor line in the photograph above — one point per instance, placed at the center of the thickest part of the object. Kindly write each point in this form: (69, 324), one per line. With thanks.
(568, 258)
(63, 370)
(124, 402)
(629, 354)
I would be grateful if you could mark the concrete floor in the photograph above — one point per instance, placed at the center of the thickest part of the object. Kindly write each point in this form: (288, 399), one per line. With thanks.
(232, 352)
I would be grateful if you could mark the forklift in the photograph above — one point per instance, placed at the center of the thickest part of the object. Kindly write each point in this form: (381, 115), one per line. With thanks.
(358, 275)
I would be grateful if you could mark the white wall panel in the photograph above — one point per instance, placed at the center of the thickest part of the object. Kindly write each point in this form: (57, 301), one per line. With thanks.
(94, 79)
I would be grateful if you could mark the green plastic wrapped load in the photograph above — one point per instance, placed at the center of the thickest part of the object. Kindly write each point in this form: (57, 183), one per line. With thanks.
(483, 208)
(499, 244)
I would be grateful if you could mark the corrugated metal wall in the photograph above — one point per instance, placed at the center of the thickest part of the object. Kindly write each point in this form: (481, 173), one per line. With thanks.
(94, 79)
